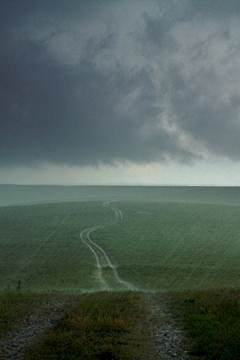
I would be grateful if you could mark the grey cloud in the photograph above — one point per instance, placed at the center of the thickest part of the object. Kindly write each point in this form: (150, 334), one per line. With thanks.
(204, 115)
(157, 34)
(97, 109)
(202, 92)
(215, 8)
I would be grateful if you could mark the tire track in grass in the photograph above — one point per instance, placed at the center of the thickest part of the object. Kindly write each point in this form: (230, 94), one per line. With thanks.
(107, 272)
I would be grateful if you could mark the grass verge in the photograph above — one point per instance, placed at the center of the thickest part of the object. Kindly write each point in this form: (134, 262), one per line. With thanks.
(212, 322)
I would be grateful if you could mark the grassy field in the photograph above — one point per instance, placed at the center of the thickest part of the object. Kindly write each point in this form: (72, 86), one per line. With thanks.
(175, 246)
(41, 246)
(156, 246)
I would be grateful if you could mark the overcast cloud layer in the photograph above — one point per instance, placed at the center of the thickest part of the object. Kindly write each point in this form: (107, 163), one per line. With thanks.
(99, 82)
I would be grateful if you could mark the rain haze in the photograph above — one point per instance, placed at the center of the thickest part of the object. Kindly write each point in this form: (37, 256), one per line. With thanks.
(120, 92)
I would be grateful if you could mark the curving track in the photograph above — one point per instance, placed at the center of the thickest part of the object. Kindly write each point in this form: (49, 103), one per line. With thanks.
(106, 271)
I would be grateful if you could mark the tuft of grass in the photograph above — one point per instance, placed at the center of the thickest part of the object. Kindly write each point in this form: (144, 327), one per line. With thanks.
(106, 325)
(212, 321)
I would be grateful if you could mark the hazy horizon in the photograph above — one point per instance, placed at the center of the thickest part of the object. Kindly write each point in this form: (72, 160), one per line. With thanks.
(118, 185)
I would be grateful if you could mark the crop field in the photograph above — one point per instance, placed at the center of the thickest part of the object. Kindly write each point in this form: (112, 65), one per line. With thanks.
(86, 246)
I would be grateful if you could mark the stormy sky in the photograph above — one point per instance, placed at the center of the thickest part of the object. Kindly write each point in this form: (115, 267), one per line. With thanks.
(140, 92)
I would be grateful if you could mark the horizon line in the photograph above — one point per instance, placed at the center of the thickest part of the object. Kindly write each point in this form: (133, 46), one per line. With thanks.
(124, 185)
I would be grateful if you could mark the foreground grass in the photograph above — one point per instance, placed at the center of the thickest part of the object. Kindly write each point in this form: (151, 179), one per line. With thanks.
(212, 321)
(115, 325)
(102, 326)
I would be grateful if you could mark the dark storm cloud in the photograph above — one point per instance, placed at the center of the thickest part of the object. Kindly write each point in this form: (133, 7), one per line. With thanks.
(82, 85)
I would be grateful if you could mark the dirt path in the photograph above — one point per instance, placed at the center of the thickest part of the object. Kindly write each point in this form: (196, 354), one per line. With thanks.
(166, 331)
(110, 281)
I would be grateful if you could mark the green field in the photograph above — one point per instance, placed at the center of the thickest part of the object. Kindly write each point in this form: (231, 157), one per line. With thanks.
(175, 246)
(158, 245)
(41, 246)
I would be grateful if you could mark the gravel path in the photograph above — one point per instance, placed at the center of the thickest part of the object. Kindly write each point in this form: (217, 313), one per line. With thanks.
(167, 332)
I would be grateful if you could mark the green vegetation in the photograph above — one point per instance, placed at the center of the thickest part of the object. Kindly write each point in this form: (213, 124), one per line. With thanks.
(212, 320)
(41, 246)
(156, 246)
(166, 244)
(102, 326)
(175, 246)
(117, 325)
